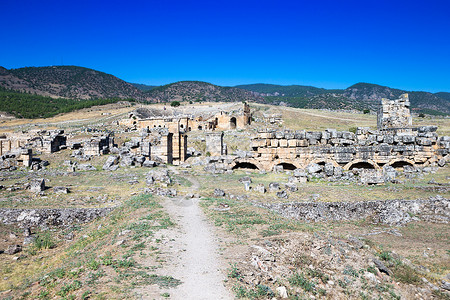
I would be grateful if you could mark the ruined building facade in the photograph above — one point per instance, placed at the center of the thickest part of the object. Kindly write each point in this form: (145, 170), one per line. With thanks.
(219, 121)
(396, 143)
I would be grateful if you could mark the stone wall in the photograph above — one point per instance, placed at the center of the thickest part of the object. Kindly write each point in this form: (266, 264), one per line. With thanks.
(365, 149)
(392, 212)
(50, 217)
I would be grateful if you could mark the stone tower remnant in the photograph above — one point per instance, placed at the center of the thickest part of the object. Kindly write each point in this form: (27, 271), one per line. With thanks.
(394, 114)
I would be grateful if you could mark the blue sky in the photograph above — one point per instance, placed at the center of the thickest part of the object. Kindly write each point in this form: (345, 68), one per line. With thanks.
(331, 44)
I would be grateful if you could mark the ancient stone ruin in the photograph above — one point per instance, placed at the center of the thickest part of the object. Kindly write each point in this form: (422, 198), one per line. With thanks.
(222, 120)
(394, 114)
(365, 149)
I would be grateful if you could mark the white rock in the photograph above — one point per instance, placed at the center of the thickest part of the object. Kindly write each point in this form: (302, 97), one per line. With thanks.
(282, 292)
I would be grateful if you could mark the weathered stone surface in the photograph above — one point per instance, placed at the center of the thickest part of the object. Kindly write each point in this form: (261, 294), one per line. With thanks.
(300, 173)
(260, 188)
(313, 168)
(245, 179)
(111, 161)
(219, 193)
(50, 217)
(37, 185)
(282, 194)
(292, 187)
(381, 267)
(13, 249)
(392, 212)
(274, 186)
(86, 167)
(60, 189)
(149, 164)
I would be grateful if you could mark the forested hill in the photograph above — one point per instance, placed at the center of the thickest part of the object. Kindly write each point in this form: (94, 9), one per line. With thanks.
(200, 91)
(23, 105)
(358, 96)
(70, 82)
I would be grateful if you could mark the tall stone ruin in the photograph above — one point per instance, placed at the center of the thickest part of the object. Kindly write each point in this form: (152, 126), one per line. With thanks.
(394, 114)
(214, 143)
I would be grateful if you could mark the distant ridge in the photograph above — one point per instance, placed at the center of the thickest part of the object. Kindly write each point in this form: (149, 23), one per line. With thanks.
(79, 83)
(358, 96)
(200, 91)
(70, 82)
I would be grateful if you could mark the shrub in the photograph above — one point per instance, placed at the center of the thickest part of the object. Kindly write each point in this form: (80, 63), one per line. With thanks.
(301, 281)
(233, 271)
(175, 103)
(44, 241)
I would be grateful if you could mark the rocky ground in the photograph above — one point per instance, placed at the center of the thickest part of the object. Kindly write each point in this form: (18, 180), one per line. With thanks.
(156, 231)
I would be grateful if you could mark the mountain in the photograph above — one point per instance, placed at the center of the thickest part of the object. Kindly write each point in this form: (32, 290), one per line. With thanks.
(144, 87)
(70, 82)
(200, 91)
(264, 89)
(358, 96)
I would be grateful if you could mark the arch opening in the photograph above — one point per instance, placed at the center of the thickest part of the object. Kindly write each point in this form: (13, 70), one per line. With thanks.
(401, 164)
(362, 165)
(287, 166)
(245, 165)
(233, 123)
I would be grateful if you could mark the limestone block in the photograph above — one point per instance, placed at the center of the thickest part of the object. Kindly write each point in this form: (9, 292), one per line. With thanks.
(283, 143)
(302, 143)
(292, 143)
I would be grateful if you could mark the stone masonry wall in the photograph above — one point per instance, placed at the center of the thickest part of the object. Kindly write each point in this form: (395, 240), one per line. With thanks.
(346, 149)
(392, 212)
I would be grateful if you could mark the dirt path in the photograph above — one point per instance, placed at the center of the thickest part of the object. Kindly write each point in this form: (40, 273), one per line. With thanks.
(193, 255)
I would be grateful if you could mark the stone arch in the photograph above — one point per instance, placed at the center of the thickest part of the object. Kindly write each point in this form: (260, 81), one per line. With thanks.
(287, 166)
(246, 164)
(401, 162)
(362, 163)
(284, 162)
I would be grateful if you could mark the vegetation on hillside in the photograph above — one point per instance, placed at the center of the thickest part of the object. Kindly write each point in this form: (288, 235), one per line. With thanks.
(29, 106)
(68, 82)
(358, 96)
(198, 91)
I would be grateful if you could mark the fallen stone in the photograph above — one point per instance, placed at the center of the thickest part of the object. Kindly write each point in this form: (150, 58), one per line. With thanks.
(260, 188)
(274, 186)
(245, 179)
(60, 190)
(219, 193)
(381, 267)
(86, 167)
(149, 164)
(282, 194)
(292, 187)
(282, 292)
(13, 249)
(112, 160)
(313, 168)
(37, 185)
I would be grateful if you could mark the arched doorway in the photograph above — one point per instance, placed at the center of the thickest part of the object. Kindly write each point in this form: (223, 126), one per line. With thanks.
(245, 165)
(287, 166)
(233, 123)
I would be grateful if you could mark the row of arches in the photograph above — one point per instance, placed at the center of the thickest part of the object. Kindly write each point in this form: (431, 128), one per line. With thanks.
(356, 164)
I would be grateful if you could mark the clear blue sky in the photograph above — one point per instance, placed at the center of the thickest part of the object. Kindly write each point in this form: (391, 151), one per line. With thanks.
(331, 44)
